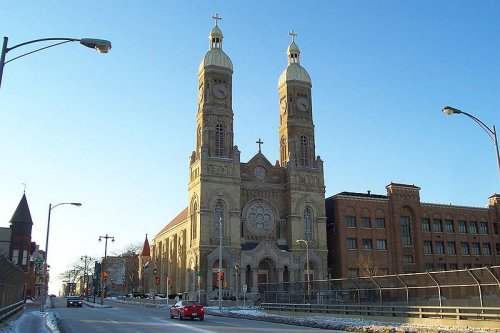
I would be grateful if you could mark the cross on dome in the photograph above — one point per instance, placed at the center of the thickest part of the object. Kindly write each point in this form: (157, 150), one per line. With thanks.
(216, 17)
(292, 34)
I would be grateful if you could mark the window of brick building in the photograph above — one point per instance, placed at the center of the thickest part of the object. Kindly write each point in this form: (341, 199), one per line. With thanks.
(380, 222)
(440, 267)
(452, 249)
(467, 266)
(486, 249)
(381, 244)
(427, 247)
(448, 226)
(426, 225)
(367, 244)
(475, 250)
(405, 230)
(465, 248)
(439, 247)
(429, 267)
(366, 222)
(350, 221)
(473, 228)
(352, 244)
(483, 228)
(438, 227)
(408, 259)
(453, 266)
(462, 227)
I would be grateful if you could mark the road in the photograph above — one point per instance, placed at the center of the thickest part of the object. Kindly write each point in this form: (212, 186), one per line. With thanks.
(123, 318)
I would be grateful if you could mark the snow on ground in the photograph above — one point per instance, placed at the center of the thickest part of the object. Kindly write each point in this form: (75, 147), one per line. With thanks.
(344, 324)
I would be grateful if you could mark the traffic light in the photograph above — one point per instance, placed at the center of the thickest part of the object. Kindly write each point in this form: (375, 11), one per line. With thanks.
(105, 276)
(221, 276)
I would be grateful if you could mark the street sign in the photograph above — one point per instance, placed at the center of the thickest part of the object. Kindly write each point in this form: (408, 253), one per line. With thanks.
(198, 273)
(244, 287)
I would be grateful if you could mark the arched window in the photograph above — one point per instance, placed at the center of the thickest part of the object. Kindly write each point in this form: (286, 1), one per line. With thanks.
(194, 221)
(304, 151)
(219, 140)
(308, 223)
(283, 150)
(219, 218)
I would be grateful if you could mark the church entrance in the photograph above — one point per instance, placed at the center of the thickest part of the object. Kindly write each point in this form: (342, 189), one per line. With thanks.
(263, 275)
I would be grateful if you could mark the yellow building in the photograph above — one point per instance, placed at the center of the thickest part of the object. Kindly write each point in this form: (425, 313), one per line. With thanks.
(260, 208)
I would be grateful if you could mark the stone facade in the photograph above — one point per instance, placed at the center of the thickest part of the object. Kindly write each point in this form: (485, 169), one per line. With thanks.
(257, 210)
(397, 233)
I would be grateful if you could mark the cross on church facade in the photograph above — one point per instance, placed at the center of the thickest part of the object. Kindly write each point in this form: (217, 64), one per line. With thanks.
(292, 34)
(216, 17)
(259, 142)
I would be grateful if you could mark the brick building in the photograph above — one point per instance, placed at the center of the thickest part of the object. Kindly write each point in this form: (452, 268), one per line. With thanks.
(371, 234)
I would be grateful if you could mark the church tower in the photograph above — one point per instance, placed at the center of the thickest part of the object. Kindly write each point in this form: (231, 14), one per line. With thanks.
(296, 129)
(305, 189)
(214, 192)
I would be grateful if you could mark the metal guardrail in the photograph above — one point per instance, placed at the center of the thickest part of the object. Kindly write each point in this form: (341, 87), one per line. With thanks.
(440, 312)
(7, 311)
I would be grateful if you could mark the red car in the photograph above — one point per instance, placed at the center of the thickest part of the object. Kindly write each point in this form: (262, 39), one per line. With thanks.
(187, 309)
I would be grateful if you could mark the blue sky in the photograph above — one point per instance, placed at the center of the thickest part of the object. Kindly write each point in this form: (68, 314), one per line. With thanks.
(115, 131)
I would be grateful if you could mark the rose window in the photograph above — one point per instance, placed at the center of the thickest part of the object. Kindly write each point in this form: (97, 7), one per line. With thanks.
(260, 219)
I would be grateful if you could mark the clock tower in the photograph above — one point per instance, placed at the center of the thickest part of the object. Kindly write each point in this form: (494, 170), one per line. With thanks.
(296, 129)
(214, 192)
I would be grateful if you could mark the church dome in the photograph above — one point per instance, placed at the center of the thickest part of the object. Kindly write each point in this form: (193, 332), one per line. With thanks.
(215, 56)
(294, 71)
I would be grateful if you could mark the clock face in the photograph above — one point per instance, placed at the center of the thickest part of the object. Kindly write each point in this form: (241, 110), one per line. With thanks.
(303, 103)
(220, 90)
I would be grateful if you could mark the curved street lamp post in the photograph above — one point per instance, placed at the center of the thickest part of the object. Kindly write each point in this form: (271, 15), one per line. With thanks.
(47, 247)
(103, 266)
(307, 268)
(492, 133)
(101, 45)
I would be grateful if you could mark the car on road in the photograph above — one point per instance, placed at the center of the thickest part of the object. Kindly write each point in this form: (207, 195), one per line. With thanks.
(187, 309)
(74, 301)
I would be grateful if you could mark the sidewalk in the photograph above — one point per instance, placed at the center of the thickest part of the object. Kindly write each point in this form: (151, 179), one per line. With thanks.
(29, 319)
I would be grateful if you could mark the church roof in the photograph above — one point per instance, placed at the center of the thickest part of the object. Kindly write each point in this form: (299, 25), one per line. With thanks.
(178, 219)
(215, 56)
(146, 249)
(22, 213)
(294, 71)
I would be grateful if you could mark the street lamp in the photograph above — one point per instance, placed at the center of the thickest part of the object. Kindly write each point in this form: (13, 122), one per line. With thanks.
(85, 276)
(47, 248)
(220, 261)
(101, 45)
(103, 266)
(492, 133)
(307, 267)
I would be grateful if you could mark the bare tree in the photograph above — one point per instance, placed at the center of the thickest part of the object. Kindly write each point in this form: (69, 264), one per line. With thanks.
(367, 266)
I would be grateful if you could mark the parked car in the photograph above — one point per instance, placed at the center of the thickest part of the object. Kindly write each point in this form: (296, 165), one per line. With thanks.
(74, 301)
(187, 309)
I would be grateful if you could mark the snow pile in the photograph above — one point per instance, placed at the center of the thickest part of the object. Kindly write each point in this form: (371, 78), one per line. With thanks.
(344, 324)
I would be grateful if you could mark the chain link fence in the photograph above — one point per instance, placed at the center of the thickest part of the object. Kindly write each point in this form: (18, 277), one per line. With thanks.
(478, 287)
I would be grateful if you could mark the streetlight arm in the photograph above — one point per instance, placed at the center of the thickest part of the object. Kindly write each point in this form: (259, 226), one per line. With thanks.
(451, 110)
(41, 40)
(492, 132)
(40, 49)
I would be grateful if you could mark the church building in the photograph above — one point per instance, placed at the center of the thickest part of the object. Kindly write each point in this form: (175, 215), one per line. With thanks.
(269, 218)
